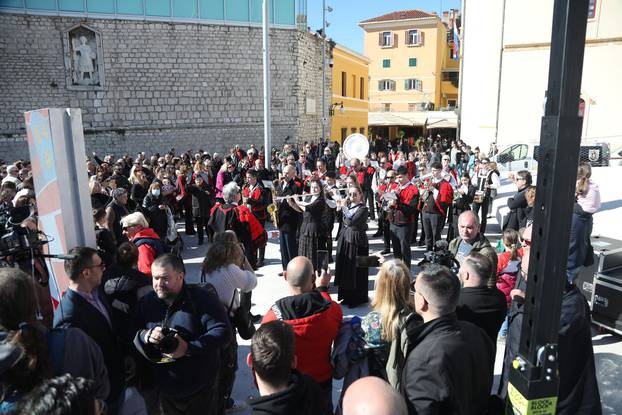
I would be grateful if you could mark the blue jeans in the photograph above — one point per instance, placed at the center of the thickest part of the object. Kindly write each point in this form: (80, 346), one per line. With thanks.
(504, 327)
(289, 247)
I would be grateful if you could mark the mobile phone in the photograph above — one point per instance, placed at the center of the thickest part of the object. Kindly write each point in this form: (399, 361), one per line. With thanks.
(322, 260)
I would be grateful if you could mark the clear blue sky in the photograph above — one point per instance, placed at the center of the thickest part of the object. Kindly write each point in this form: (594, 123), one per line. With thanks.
(346, 14)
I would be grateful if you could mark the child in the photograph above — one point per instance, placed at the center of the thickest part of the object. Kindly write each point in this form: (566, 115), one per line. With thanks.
(508, 267)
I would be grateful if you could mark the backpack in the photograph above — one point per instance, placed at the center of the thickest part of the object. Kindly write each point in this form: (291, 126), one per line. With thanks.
(400, 347)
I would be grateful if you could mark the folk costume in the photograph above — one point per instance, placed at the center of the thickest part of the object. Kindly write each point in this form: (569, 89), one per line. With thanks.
(403, 219)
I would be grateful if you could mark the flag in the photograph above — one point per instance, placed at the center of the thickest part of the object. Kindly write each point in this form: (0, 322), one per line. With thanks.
(456, 43)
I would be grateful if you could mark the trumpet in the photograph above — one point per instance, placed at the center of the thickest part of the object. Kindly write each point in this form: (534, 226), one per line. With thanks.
(419, 180)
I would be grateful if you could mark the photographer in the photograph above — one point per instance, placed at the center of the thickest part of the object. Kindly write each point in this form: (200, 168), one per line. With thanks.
(181, 331)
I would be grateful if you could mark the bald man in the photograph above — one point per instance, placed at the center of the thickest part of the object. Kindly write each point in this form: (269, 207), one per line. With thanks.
(373, 396)
(314, 317)
(470, 239)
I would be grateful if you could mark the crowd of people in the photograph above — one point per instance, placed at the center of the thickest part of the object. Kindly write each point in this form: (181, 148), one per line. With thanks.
(132, 336)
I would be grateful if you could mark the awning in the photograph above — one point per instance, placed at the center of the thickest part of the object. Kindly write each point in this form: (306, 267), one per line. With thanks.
(396, 118)
(430, 119)
(441, 119)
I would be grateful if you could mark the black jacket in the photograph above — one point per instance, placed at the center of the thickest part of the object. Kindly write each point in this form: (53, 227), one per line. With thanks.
(578, 388)
(449, 368)
(201, 200)
(288, 217)
(302, 397)
(75, 311)
(200, 319)
(485, 307)
(517, 218)
(158, 221)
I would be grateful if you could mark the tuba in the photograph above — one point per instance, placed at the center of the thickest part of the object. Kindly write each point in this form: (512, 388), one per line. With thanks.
(355, 146)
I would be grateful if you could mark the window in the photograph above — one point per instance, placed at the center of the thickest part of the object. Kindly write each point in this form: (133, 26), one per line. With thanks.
(591, 9)
(362, 88)
(412, 62)
(451, 103)
(386, 107)
(344, 84)
(413, 84)
(386, 85)
(353, 130)
(353, 86)
(344, 134)
(412, 107)
(386, 39)
(413, 37)
(386, 63)
(362, 130)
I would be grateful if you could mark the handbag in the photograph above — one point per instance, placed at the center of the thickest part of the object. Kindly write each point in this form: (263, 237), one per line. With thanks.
(242, 319)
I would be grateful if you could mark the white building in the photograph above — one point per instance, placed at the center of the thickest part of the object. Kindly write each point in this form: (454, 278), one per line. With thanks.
(506, 47)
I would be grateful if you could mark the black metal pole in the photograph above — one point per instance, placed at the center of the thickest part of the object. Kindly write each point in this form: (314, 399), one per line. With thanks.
(534, 374)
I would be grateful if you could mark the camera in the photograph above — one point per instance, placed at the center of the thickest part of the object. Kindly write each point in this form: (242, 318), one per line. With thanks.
(440, 256)
(16, 240)
(169, 343)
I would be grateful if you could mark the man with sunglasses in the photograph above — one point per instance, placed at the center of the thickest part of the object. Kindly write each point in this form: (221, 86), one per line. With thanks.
(450, 368)
(84, 306)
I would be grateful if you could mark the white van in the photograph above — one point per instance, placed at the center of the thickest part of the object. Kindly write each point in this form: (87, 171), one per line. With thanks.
(524, 156)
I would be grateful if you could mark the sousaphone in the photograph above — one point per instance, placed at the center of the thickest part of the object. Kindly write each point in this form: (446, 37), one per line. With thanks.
(355, 146)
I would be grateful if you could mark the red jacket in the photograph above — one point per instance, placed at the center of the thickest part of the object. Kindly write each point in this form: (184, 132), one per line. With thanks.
(405, 210)
(444, 198)
(146, 252)
(316, 320)
(257, 201)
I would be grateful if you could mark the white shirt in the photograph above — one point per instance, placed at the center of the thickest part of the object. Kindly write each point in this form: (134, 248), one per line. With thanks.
(229, 278)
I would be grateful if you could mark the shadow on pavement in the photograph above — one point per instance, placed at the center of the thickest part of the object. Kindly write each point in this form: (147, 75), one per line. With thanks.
(609, 373)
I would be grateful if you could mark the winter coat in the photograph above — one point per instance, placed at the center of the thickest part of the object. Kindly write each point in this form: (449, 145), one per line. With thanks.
(302, 397)
(149, 250)
(200, 319)
(517, 218)
(578, 388)
(481, 245)
(316, 320)
(201, 200)
(484, 307)
(158, 221)
(449, 368)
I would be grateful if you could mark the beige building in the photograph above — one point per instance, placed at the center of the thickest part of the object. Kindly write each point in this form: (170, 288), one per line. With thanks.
(411, 63)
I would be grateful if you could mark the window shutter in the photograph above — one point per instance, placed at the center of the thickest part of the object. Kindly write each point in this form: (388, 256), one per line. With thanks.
(407, 37)
(380, 38)
(421, 38)
(380, 86)
(394, 40)
(392, 85)
(406, 85)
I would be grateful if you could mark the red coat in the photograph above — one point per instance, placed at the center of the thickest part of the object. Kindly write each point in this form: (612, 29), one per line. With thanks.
(146, 252)
(315, 331)
(405, 210)
(256, 199)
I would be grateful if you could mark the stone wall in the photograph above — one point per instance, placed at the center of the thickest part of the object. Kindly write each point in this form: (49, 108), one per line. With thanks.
(166, 84)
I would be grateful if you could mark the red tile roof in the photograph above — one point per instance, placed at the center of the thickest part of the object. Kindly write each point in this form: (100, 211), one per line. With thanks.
(400, 15)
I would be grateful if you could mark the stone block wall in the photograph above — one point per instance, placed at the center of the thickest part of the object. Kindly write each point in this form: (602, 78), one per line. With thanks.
(166, 84)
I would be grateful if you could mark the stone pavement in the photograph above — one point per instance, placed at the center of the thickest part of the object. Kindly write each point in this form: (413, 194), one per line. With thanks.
(270, 287)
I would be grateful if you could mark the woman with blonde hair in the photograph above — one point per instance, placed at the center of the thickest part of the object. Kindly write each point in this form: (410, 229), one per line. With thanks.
(140, 186)
(392, 306)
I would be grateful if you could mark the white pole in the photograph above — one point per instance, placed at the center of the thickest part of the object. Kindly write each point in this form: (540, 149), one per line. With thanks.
(267, 131)
(324, 117)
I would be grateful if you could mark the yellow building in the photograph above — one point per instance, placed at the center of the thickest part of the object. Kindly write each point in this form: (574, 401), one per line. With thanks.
(350, 98)
(411, 65)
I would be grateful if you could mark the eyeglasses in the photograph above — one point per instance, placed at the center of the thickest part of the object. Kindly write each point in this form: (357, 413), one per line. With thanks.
(100, 266)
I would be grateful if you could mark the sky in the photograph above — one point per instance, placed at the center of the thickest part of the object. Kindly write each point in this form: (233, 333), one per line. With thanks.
(347, 14)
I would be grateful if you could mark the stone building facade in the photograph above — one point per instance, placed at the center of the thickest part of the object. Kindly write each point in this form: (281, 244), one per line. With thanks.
(149, 85)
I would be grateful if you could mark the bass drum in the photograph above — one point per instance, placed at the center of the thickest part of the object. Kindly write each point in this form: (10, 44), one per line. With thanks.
(356, 146)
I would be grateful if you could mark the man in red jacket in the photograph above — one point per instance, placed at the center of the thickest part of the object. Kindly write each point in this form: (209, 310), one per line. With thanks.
(149, 245)
(314, 317)
(436, 197)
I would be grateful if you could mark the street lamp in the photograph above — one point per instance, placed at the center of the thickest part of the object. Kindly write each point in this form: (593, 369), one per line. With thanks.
(331, 110)
(325, 9)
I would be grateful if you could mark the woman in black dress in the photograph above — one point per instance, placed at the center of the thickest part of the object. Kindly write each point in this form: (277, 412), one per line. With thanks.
(312, 234)
(352, 242)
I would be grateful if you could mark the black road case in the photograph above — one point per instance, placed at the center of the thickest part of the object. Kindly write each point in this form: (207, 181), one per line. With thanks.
(603, 249)
(607, 300)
